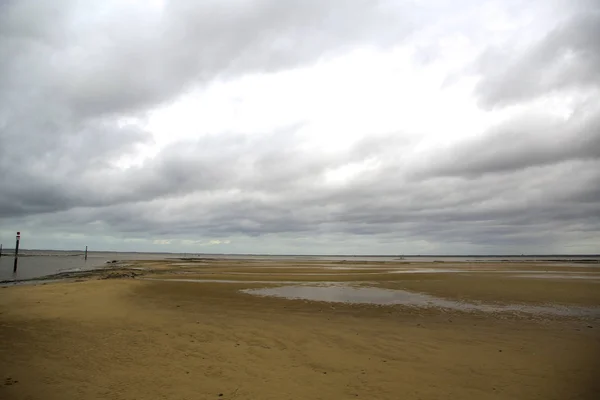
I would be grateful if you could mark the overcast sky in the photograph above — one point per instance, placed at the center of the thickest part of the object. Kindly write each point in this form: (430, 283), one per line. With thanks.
(301, 126)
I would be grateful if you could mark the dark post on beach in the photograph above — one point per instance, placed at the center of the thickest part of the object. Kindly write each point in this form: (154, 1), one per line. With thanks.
(85, 257)
(0, 249)
(17, 252)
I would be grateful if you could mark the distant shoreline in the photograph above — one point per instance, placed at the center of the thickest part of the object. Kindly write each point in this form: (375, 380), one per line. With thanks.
(49, 252)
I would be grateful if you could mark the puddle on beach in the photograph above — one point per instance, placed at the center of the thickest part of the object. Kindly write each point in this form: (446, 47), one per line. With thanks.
(306, 273)
(372, 295)
(430, 271)
(237, 281)
(563, 276)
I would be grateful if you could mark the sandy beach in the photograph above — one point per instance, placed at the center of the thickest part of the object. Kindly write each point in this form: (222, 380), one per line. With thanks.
(150, 330)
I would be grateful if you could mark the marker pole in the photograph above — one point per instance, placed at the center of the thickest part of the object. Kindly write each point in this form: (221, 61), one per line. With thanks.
(17, 252)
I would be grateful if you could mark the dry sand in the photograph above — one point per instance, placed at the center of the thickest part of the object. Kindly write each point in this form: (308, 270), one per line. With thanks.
(140, 339)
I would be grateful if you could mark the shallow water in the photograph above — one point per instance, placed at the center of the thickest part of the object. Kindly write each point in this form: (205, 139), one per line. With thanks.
(36, 264)
(372, 295)
(561, 276)
(305, 273)
(243, 282)
(431, 271)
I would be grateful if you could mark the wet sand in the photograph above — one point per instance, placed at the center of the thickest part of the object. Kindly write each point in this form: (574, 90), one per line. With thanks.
(132, 338)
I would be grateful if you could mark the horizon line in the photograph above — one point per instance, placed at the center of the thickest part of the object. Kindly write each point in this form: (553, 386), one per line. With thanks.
(321, 254)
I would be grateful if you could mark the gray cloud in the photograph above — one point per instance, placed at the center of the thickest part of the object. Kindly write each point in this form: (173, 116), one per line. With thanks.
(525, 142)
(568, 57)
(525, 207)
(77, 70)
(99, 59)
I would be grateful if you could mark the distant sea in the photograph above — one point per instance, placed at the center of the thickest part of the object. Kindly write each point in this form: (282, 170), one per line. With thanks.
(39, 263)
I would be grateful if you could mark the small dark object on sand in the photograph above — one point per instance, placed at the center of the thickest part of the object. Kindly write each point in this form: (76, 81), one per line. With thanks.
(10, 381)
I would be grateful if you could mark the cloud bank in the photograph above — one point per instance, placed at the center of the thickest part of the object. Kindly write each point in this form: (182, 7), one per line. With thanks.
(260, 126)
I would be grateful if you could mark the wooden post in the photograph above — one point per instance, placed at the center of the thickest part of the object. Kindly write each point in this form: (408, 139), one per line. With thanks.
(17, 252)
(0, 250)
(85, 257)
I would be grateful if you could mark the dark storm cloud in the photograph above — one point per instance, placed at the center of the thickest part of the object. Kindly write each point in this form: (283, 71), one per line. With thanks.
(568, 57)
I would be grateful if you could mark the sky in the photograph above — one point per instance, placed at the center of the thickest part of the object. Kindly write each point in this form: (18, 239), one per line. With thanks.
(301, 126)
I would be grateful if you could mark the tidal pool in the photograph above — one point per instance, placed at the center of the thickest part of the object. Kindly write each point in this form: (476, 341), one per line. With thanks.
(373, 295)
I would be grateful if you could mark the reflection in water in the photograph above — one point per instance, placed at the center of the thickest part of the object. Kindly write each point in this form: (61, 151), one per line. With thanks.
(371, 295)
